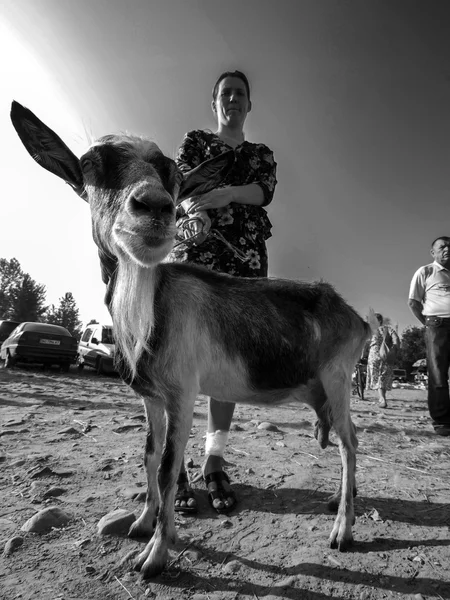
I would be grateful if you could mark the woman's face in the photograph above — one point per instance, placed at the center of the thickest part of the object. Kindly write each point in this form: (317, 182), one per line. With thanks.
(231, 104)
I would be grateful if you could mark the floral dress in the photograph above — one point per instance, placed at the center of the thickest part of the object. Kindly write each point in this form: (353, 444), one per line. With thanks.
(380, 373)
(245, 227)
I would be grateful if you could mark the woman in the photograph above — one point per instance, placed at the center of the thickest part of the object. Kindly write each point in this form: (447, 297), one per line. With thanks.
(379, 370)
(239, 227)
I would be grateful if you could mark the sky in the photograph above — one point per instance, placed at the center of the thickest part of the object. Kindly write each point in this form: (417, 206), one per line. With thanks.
(352, 96)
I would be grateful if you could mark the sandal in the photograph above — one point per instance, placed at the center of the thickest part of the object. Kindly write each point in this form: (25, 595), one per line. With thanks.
(216, 491)
(184, 495)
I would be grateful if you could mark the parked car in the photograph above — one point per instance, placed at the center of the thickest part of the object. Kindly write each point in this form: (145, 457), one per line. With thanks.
(40, 343)
(400, 375)
(420, 375)
(96, 348)
(6, 328)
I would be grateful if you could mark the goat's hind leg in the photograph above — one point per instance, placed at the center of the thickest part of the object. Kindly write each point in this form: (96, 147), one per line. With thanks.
(156, 425)
(153, 559)
(318, 401)
(338, 386)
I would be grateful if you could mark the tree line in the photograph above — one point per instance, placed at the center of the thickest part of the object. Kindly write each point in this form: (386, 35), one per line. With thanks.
(23, 299)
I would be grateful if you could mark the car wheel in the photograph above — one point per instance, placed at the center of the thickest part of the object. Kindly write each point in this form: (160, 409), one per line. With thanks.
(65, 367)
(9, 361)
(99, 366)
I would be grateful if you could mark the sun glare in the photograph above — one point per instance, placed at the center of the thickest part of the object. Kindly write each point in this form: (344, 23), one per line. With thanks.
(48, 230)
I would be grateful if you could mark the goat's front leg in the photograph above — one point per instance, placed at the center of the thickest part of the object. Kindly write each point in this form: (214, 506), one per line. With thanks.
(179, 412)
(156, 425)
(338, 388)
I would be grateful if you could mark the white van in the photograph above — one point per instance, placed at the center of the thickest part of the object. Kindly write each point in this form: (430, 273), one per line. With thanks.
(96, 348)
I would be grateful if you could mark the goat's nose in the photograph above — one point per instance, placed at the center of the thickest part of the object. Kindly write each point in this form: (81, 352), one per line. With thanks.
(152, 204)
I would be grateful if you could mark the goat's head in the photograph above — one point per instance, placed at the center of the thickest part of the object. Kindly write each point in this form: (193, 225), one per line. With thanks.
(131, 187)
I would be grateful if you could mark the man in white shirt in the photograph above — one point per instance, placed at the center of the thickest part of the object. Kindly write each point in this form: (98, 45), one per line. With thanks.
(429, 301)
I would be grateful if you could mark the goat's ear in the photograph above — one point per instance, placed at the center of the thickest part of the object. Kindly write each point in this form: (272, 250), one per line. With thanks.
(207, 176)
(47, 148)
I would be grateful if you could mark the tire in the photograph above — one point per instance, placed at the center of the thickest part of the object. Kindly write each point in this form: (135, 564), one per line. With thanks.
(9, 361)
(65, 367)
(99, 366)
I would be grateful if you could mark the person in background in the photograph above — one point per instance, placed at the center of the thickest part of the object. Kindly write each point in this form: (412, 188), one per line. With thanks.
(235, 217)
(429, 301)
(379, 369)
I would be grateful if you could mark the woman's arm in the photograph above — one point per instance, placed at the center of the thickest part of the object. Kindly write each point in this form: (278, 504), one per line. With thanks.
(259, 193)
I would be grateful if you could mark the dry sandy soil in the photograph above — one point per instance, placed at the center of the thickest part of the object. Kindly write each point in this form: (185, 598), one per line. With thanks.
(275, 543)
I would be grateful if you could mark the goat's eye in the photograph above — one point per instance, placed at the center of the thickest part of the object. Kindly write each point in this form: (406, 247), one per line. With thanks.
(87, 165)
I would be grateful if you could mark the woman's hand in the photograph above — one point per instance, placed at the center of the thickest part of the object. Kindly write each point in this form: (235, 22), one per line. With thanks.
(214, 199)
(197, 228)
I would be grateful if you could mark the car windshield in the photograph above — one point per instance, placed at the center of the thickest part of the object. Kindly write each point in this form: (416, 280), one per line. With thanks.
(45, 328)
(107, 336)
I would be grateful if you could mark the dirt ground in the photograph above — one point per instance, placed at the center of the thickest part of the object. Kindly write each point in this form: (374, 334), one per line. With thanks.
(274, 545)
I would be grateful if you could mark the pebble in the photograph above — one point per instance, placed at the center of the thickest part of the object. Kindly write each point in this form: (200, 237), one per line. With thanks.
(125, 428)
(14, 423)
(116, 522)
(226, 523)
(14, 432)
(67, 430)
(236, 427)
(44, 472)
(81, 543)
(284, 583)
(130, 493)
(232, 567)
(12, 544)
(45, 520)
(53, 492)
(268, 426)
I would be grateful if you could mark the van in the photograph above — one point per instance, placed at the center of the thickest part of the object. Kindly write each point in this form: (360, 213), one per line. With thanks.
(400, 375)
(96, 348)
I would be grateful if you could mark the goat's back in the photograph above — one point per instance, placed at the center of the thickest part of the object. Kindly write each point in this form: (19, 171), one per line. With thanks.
(283, 331)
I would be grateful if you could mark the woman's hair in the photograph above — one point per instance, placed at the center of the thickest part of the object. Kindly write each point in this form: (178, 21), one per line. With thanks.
(237, 74)
(380, 318)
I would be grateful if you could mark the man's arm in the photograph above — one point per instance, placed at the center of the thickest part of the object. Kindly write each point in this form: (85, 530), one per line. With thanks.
(416, 308)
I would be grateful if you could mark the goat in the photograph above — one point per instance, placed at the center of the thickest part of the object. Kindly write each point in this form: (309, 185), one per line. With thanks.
(182, 330)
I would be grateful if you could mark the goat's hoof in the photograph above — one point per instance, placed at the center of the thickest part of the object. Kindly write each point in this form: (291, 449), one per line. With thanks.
(152, 570)
(333, 503)
(341, 545)
(139, 531)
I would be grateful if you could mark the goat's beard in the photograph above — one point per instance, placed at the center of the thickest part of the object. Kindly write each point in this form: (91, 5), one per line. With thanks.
(132, 311)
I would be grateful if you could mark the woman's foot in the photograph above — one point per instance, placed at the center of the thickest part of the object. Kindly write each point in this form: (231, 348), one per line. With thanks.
(220, 493)
(382, 398)
(184, 497)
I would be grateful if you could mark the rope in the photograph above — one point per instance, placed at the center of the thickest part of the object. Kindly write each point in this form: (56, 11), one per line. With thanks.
(213, 232)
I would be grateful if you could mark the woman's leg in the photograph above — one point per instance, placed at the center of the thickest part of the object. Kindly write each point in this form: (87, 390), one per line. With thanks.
(220, 415)
(382, 397)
